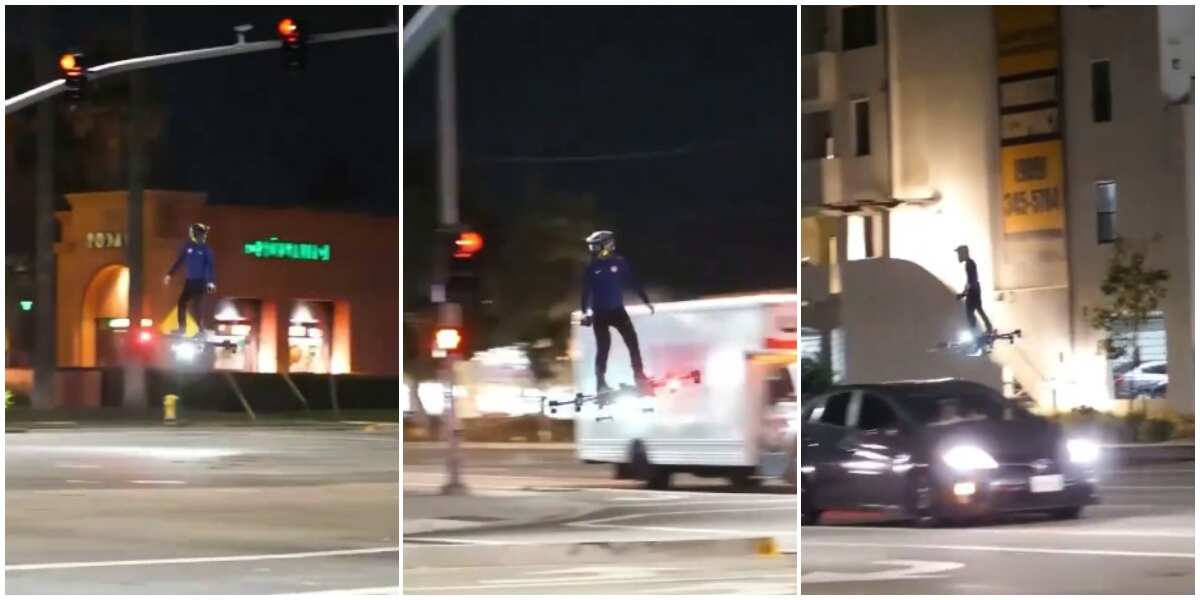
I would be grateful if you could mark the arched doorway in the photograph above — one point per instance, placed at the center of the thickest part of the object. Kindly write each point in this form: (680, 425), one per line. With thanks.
(106, 297)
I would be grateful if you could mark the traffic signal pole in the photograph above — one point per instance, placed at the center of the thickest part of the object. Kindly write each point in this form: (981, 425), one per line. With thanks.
(449, 314)
(134, 381)
(45, 342)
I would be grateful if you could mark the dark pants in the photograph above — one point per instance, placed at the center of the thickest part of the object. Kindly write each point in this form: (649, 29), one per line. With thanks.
(975, 304)
(601, 321)
(193, 295)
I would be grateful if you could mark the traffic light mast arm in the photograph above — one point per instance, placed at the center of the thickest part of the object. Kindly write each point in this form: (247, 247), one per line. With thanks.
(56, 87)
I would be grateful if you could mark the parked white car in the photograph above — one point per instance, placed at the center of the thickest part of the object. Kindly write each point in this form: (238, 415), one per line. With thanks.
(1147, 378)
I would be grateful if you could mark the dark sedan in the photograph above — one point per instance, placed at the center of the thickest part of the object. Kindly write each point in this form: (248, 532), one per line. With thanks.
(938, 451)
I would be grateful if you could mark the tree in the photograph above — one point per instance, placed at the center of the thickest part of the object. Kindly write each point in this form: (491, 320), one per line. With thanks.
(532, 276)
(1133, 292)
(90, 138)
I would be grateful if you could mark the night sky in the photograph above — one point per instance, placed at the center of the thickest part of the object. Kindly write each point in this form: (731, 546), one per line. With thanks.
(244, 129)
(699, 103)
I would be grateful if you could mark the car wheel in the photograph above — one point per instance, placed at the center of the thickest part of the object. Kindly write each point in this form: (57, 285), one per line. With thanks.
(1071, 512)
(622, 471)
(923, 500)
(655, 477)
(743, 480)
(809, 514)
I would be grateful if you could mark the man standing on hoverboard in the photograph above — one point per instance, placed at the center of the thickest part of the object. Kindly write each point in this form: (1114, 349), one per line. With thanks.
(197, 260)
(973, 296)
(604, 280)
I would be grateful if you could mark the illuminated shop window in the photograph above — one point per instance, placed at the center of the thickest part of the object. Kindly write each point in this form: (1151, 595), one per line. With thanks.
(309, 336)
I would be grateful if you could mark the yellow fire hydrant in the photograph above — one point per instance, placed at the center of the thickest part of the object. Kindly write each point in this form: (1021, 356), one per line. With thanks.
(169, 403)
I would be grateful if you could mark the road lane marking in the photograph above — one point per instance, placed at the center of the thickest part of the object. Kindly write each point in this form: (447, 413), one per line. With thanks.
(912, 569)
(75, 466)
(1029, 530)
(1147, 487)
(1016, 549)
(468, 542)
(593, 522)
(80, 481)
(158, 481)
(389, 591)
(588, 574)
(734, 533)
(196, 559)
(726, 579)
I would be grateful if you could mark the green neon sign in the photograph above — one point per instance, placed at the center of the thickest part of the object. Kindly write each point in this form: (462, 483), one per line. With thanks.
(274, 248)
(27, 305)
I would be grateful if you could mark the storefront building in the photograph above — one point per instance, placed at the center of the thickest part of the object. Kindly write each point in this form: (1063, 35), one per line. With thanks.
(298, 290)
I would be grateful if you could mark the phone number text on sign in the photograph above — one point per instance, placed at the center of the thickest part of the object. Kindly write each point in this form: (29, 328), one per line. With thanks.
(1031, 187)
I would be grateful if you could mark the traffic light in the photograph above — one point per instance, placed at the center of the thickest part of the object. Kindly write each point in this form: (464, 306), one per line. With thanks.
(467, 244)
(294, 43)
(462, 283)
(75, 74)
(448, 341)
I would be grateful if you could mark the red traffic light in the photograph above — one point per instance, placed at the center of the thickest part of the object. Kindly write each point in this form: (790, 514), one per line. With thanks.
(69, 63)
(448, 339)
(288, 28)
(467, 244)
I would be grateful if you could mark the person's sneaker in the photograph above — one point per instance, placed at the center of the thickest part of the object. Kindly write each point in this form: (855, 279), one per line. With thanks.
(602, 388)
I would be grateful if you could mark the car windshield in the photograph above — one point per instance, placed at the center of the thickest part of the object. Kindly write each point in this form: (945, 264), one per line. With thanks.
(948, 408)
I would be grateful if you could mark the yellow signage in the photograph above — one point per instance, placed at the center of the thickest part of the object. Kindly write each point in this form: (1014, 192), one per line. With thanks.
(1031, 150)
(1026, 39)
(1031, 187)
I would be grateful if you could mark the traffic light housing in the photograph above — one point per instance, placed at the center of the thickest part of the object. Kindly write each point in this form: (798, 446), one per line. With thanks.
(465, 250)
(75, 73)
(295, 44)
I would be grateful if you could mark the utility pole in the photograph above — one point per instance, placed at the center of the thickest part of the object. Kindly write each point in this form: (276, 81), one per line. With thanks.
(44, 358)
(135, 371)
(449, 314)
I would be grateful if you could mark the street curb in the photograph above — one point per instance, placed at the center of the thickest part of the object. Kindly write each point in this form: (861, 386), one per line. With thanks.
(588, 553)
(202, 424)
(31, 425)
(494, 445)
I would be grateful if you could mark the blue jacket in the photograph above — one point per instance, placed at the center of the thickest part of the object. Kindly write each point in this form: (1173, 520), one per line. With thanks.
(604, 282)
(197, 260)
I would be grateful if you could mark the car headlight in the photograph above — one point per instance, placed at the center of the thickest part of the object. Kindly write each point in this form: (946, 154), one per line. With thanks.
(1083, 451)
(969, 458)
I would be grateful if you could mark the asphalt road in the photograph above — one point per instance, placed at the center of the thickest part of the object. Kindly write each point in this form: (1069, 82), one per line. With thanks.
(1139, 540)
(694, 510)
(190, 510)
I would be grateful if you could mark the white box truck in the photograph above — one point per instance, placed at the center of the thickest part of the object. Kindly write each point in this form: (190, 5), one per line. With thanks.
(737, 422)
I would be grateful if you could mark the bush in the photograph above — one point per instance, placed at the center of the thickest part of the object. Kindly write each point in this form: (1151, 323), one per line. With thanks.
(815, 377)
(1155, 430)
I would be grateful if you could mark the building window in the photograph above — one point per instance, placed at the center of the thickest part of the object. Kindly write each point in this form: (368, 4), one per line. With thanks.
(858, 27)
(815, 134)
(1106, 212)
(1101, 92)
(861, 109)
(812, 20)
